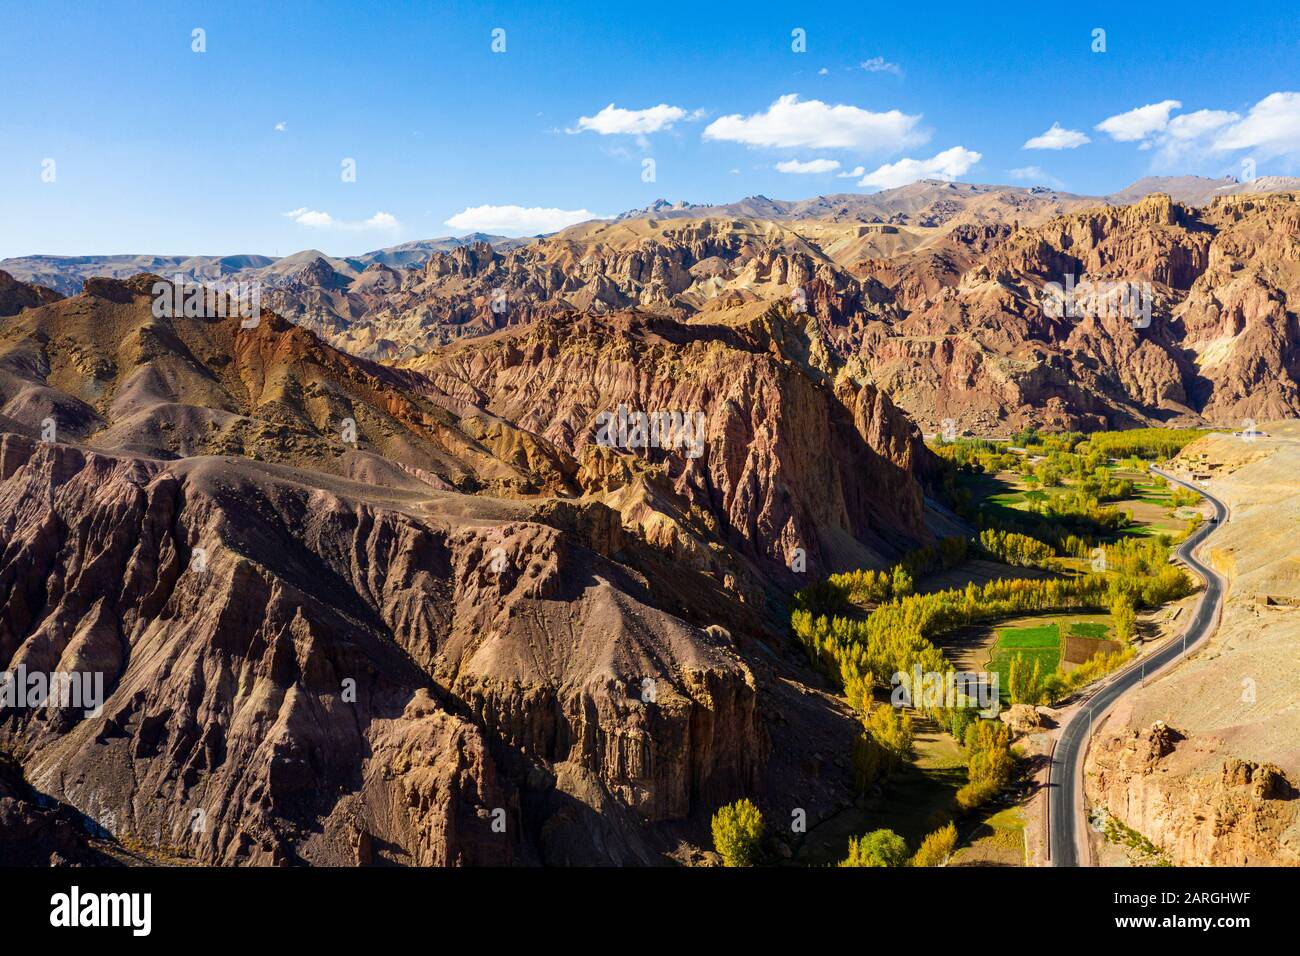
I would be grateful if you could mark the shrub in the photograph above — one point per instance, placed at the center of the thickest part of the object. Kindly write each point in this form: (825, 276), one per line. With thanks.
(737, 829)
(877, 848)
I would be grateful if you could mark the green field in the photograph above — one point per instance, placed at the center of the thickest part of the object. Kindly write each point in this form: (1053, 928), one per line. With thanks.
(1089, 629)
(1041, 643)
(1004, 499)
(1039, 640)
(1047, 635)
(998, 841)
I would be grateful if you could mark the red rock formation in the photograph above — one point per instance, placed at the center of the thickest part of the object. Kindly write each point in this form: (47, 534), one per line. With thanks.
(450, 642)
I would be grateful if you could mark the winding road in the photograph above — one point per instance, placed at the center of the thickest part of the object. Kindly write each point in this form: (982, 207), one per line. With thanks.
(1067, 824)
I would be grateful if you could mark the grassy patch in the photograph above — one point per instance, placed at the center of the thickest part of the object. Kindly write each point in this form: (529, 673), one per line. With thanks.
(1039, 644)
(1043, 635)
(918, 798)
(1089, 629)
(997, 841)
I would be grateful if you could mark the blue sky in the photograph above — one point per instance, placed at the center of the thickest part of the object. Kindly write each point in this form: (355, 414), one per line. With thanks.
(159, 149)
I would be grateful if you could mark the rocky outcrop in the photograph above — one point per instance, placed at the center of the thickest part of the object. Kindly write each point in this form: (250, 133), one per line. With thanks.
(985, 337)
(16, 296)
(953, 313)
(784, 458)
(1240, 814)
(351, 613)
(36, 831)
(297, 675)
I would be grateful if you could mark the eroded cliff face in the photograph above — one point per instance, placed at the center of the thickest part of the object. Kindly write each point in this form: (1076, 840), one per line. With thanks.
(37, 831)
(973, 327)
(16, 296)
(312, 676)
(673, 268)
(1157, 781)
(467, 633)
(952, 316)
(787, 458)
(1240, 314)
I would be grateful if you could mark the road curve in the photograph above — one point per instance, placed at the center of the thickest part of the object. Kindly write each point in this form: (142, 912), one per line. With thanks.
(1068, 827)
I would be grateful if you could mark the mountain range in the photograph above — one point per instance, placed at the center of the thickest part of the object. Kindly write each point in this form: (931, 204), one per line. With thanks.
(923, 202)
(940, 293)
(366, 581)
(66, 274)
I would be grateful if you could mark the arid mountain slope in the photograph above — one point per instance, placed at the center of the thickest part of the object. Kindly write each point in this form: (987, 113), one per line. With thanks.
(675, 260)
(110, 373)
(942, 294)
(473, 635)
(764, 411)
(966, 320)
(67, 274)
(973, 329)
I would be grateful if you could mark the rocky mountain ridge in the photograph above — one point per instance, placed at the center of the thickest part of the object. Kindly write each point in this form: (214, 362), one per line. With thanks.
(351, 613)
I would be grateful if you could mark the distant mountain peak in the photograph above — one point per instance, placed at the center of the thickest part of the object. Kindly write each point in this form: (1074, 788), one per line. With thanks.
(659, 207)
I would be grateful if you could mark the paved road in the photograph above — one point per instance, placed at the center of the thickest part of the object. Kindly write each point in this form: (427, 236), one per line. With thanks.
(1068, 826)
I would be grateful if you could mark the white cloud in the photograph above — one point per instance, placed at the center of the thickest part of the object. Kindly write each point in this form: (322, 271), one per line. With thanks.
(1190, 126)
(1186, 138)
(1057, 138)
(1272, 128)
(310, 217)
(281, 126)
(790, 122)
(316, 219)
(823, 71)
(878, 64)
(614, 120)
(853, 173)
(522, 220)
(1138, 124)
(947, 165)
(811, 166)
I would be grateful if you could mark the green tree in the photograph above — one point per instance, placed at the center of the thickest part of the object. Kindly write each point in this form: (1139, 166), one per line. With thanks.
(737, 829)
(990, 764)
(892, 728)
(902, 582)
(1123, 619)
(877, 848)
(937, 847)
